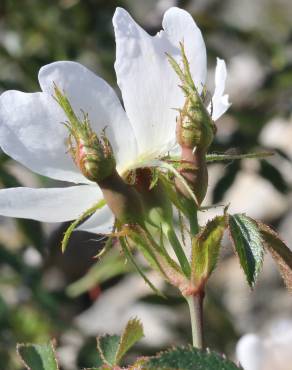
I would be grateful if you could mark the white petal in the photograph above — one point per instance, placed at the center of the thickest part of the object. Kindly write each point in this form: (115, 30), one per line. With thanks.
(220, 102)
(148, 83)
(48, 205)
(100, 223)
(31, 133)
(91, 94)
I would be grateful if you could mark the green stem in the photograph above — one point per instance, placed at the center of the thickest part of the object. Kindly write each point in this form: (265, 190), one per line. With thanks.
(192, 215)
(195, 303)
(194, 225)
(178, 249)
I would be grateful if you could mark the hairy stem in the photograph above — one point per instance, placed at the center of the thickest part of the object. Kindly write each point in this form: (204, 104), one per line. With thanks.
(195, 303)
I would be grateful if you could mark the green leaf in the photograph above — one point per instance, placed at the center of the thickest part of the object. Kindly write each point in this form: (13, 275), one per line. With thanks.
(279, 251)
(38, 356)
(248, 243)
(188, 358)
(131, 334)
(205, 249)
(107, 346)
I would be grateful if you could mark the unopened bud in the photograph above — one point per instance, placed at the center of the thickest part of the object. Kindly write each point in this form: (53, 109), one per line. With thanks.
(194, 132)
(195, 127)
(92, 154)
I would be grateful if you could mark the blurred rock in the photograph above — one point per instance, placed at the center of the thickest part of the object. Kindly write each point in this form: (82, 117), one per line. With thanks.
(250, 194)
(255, 196)
(67, 352)
(277, 134)
(32, 257)
(270, 350)
(245, 76)
(249, 309)
(118, 304)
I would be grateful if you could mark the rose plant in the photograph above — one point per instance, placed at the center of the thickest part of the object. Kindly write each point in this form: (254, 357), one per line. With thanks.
(131, 167)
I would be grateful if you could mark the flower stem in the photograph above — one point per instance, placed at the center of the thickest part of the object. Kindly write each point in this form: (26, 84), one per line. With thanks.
(178, 249)
(195, 303)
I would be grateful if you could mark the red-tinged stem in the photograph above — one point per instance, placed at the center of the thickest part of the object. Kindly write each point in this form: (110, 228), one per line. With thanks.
(197, 175)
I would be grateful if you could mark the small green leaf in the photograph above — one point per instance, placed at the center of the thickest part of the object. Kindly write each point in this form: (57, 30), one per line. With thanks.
(38, 356)
(131, 334)
(188, 358)
(205, 249)
(248, 243)
(279, 251)
(107, 346)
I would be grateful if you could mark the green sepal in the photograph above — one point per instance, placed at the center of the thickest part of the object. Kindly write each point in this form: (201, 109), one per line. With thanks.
(217, 157)
(75, 223)
(38, 356)
(159, 257)
(112, 348)
(129, 256)
(169, 232)
(186, 358)
(248, 243)
(205, 250)
(279, 251)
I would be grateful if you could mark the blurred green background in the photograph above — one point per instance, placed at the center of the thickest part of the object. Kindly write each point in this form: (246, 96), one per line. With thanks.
(37, 298)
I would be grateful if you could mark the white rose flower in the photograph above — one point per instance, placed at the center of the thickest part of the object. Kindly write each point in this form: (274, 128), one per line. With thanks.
(30, 123)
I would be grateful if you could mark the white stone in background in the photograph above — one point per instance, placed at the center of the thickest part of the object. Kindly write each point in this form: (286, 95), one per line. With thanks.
(245, 76)
(277, 133)
(269, 351)
(249, 193)
(67, 351)
(255, 196)
(117, 305)
(32, 257)
(11, 41)
(249, 352)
